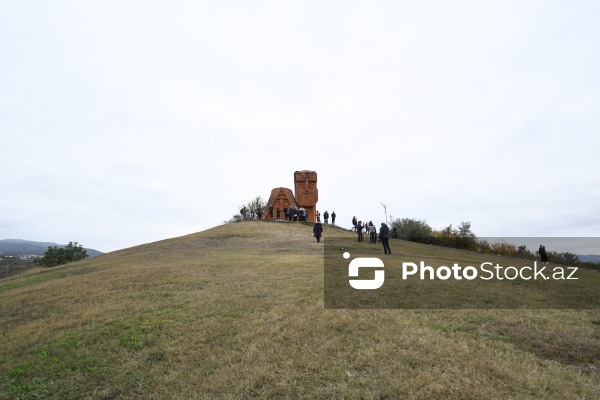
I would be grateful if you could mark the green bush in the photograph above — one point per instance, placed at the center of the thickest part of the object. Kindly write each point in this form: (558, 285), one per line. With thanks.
(61, 255)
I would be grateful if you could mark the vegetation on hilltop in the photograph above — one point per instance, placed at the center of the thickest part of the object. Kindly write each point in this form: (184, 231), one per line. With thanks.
(257, 205)
(463, 237)
(61, 255)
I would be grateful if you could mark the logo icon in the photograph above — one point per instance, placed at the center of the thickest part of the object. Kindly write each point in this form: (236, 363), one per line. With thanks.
(365, 262)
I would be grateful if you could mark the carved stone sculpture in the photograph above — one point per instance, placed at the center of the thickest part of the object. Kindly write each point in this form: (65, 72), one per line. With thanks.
(307, 195)
(280, 198)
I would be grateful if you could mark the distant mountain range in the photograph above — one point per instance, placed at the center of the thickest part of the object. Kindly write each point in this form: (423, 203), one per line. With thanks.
(590, 258)
(16, 247)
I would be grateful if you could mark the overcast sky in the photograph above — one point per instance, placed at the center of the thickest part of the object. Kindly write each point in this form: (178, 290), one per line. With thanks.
(127, 122)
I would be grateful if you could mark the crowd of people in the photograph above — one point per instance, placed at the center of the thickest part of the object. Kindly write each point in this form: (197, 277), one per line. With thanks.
(301, 214)
(369, 229)
(250, 214)
(326, 217)
(290, 213)
(361, 228)
(366, 228)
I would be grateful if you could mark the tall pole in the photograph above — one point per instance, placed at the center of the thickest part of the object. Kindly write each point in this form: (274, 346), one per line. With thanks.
(385, 211)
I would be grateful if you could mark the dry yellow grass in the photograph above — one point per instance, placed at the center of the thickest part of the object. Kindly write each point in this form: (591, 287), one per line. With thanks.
(237, 312)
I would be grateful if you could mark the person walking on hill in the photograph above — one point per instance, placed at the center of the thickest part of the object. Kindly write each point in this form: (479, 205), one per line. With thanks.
(333, 218)
(326, 217)
(317, 231)
(384, 236)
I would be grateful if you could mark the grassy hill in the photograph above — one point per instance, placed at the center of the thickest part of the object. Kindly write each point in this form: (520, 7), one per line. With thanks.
(237, 312)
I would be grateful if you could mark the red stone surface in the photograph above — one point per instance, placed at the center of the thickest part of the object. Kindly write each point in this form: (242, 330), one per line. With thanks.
(280, 198)
(307, 195)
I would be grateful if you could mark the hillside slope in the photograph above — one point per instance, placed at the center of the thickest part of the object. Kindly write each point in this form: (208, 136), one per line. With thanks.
(237, 311)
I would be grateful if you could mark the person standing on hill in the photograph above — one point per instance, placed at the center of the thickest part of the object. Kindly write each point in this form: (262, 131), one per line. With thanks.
(326, 216)
(372, 233)
(317, 231)
(333, 218)
(271, 211)
(359, 231)
(278, 213)
(318, 215)
(384, 236)
(302, 214)
(354, 222)
(543, 254)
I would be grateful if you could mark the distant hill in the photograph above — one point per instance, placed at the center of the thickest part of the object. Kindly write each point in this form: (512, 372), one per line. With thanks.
(590, 258)
(15, 247)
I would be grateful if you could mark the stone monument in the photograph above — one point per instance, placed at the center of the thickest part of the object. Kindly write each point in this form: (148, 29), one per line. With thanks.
(307, 195)
(280, 198)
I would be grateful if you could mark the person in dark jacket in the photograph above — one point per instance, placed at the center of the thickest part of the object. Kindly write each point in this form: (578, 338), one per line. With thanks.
(270, 212)
(333, 218)
(354, 222)
(278, 213)
(317, 231)
(543, 254)
(384, 236)
(359, 231)
(326, 216)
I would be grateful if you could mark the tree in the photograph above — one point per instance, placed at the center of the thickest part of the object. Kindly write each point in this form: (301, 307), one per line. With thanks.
(61, 255)
(413, 230)
(258, 204)
(523, 252)
(446, 237)
(466, 238)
